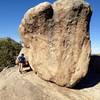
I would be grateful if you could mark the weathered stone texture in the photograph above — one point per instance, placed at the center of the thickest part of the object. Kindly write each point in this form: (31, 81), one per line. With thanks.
(16, 86)
(56, 40)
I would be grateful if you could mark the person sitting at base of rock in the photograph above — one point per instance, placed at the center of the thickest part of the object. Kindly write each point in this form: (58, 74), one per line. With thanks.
(22, 62)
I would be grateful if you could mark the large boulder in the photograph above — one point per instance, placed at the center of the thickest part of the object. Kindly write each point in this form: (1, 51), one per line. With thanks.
(56, 40)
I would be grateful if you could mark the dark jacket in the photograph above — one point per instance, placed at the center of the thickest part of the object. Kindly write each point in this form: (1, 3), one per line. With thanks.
(21, 59)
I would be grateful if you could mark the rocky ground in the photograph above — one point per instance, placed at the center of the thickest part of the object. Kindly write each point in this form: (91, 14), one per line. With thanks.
(28, 86)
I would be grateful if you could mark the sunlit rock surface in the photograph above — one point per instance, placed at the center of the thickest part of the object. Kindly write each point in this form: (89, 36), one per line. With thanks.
(28, 86)
(56, 40)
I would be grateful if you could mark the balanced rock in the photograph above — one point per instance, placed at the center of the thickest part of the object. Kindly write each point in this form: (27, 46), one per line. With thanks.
(56, 40)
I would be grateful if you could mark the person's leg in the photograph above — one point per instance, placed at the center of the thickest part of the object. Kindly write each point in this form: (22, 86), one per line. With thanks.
(20, 67)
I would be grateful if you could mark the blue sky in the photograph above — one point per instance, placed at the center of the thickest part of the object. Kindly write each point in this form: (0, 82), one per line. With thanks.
(12, 11)
(95, 26)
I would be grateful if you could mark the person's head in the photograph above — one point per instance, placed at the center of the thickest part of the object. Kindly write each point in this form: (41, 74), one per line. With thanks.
(22, 54)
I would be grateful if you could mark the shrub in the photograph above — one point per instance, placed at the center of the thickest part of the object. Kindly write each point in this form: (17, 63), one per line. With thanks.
(9, 49)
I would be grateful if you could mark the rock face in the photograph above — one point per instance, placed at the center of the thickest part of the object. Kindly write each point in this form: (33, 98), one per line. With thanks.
(56, 40)
(16, 86)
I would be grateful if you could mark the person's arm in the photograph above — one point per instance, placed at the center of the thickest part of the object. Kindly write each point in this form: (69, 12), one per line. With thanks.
(26, 60)
(17, 61)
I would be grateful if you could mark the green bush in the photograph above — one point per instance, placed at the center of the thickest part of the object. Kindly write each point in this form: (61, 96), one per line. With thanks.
(9, 49)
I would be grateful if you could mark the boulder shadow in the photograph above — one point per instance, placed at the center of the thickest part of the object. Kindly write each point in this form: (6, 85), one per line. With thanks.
(93, 76)
(27, 68)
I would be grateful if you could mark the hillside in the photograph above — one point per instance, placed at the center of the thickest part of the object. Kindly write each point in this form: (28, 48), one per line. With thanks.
(9, 49)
